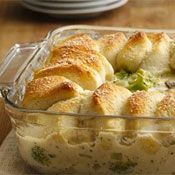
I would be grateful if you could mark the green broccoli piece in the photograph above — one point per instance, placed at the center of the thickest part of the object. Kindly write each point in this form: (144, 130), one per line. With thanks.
(122, 75)
(142, 80)
(40, 155)
(123, 166)
(121, 78)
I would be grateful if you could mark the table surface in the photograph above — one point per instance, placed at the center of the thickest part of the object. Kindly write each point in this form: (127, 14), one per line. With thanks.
(18, 25)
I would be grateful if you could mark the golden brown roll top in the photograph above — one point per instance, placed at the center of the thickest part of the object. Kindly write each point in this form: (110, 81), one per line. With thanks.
(133, 52)
(142, 104)
(166, 107)
(90, 58)
(172, 55)
(110, 45)
(79, 73)
(157, 60)
(80, 40)
(41, 93)
(108, 99)
(82, 48)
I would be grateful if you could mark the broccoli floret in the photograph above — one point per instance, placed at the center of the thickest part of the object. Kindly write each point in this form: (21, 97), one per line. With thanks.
(123, 166)
(40, 155)
(141, 80)
(122, 75)
(121, 78)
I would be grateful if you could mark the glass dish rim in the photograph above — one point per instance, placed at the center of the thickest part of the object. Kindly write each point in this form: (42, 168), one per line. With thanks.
(53, 113)
(4, 92)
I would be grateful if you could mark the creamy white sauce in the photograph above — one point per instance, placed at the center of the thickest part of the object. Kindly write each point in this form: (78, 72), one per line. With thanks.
(161, 83)
(146, 155)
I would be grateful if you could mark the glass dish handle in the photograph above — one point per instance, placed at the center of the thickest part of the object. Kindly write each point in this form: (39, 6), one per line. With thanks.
(18, 57)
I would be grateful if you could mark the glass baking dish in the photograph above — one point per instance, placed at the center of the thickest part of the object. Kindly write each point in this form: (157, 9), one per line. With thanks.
(50, 147)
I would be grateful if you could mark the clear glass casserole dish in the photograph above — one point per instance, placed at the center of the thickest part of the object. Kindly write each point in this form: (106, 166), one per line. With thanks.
(52, 148)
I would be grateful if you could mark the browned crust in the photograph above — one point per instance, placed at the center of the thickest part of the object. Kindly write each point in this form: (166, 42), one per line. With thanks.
(166, 108)
(48, 86)
(137, 102)
(104, 99)
(70, 53)
(135, 40)
(109, 41)
(158, 37)
(83, 75)
(55, 69)
(133, 52)
(80, 39)
(138, 37)
(104, 91)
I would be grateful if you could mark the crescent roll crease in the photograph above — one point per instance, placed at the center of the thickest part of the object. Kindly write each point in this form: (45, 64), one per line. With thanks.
(41, 93)
(110, 45)
(108, 99)
(133, 52)
(81, 74)
(157, 60)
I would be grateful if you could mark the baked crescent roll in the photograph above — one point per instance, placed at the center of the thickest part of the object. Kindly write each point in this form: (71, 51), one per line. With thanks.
(81, 55)
(54, 121)
(41, 93)
(80, 39)
(108, 99)
(110, 45)
(142, 104)
(166, 107)
(157, 60)
(83, 42)
(69, 106)
(134, 51)
(81, 74)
